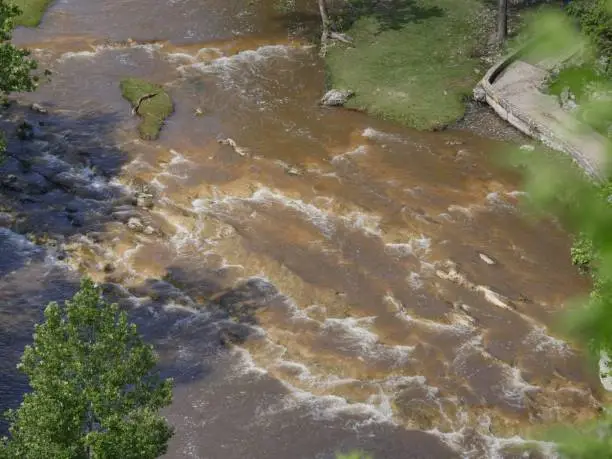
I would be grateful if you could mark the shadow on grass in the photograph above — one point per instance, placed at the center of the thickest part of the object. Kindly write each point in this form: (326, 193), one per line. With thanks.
(390, 14)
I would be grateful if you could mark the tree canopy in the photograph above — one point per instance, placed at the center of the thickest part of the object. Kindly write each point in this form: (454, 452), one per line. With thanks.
(95, 393)
(15, 63)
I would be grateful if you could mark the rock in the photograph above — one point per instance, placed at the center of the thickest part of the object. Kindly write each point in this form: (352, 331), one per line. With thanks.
(135, 224)
(25, 131)
(567, 100)
(293, 171)
(108, 268)
(144, 200)
(527, 147)
(35, 183)
(13, 183)
(75, 220)
(6, 219)
(487, 259)
(336, 97)
(39, 109)
(232, 143)
(69, 180)
(149, 230)
(233, 334)
(461, 154)
(479, 94)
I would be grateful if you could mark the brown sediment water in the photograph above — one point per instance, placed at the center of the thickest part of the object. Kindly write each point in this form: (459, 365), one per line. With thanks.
(381, 287)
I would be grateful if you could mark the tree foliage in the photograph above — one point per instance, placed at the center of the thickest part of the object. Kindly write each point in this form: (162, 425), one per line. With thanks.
(15, 63)
(94, 390)
(584, 207)
(595, 19)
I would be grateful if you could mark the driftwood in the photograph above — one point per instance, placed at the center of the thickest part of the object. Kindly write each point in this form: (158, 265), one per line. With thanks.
(341, 37)
(142, 99)
(329, 35)
(230, 142)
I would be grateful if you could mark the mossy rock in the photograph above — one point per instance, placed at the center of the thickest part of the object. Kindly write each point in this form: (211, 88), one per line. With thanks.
(151, 102)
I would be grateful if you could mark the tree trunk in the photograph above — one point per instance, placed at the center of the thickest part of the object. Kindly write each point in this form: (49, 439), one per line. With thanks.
(325, 25)
(502, 21)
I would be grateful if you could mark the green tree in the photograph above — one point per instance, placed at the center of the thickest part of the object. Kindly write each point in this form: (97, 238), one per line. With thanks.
(95, 393)
(555, 186)
(595, 19)
(15, 63)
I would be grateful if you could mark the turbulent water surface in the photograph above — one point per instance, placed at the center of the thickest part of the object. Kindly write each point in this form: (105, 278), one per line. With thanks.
(333, 282)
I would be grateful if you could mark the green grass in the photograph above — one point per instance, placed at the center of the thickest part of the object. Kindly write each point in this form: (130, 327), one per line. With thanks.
(32, 12)
(414, 64)
(153, 111)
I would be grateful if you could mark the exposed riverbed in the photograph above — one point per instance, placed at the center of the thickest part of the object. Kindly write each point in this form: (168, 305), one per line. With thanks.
(380, 286)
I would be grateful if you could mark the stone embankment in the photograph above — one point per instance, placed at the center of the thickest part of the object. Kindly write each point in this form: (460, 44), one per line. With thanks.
(512, 88)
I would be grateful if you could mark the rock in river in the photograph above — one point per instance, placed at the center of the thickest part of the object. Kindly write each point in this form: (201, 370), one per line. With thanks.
(38, 108)
(135, 224)
(336, 97)
(144, 200)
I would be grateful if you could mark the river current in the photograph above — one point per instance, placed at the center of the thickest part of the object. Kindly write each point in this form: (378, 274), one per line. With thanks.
(334, 282)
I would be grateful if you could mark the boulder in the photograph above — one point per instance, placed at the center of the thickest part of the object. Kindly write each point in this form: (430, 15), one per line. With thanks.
(135, 224)
(39, 109)
(479, 94)
(567, 100)
(336, 97)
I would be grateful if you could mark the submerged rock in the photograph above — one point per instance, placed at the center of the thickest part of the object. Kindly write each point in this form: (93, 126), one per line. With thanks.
(336, 97)
(39, 108)
(25, 131)
(144, 200)
(232, 143)
(6, 219)
(487, 259)
(292, 170)
(135, 224)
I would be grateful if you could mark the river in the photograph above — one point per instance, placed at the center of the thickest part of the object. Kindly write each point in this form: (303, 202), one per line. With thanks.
(338, 282)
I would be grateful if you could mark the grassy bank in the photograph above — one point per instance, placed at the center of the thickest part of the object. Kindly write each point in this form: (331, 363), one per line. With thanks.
(32, 11)
(150, 102)
(415, 62)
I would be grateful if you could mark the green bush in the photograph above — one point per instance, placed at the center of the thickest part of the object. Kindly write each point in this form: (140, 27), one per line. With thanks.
(595, 19)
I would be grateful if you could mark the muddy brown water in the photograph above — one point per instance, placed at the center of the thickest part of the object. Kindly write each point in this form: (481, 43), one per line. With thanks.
(341, 255)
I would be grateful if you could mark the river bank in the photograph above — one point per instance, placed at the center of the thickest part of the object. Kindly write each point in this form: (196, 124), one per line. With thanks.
(32, 12)
(415, 63)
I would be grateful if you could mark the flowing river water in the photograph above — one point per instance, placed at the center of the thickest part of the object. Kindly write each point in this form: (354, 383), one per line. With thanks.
(335, 282)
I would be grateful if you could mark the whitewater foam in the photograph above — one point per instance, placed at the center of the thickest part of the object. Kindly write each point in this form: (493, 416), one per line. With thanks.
(358, 151)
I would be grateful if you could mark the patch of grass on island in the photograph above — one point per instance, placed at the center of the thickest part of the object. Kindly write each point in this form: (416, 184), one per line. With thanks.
(415, 62)
(151, 102)
(32, 12)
